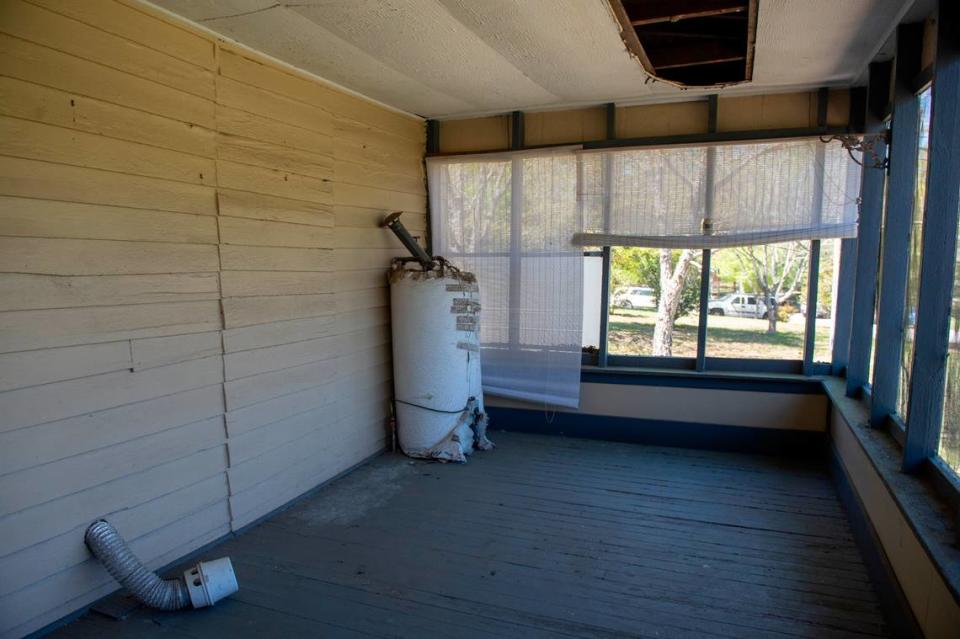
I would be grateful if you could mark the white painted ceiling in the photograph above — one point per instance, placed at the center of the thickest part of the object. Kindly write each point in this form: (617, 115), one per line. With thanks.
(448, 58)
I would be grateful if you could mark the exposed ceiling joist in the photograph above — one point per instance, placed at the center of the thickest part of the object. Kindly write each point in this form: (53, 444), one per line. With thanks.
(651, 34)
(691, 42)
(676, 56)
(657, 11)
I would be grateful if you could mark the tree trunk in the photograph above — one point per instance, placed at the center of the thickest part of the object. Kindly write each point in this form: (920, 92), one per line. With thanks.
(672, 280)
(771, 305)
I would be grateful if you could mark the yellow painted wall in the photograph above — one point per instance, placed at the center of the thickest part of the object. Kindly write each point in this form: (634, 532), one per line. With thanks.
(558, 127)
(680, 118)
(749, 113)
(928, 53)
(788, 411)
(475, 134)
(193, 311)
(934, 607)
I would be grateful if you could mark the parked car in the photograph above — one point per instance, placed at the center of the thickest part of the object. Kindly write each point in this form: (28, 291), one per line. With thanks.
(635, 297)
(738, 305)
(822, 311)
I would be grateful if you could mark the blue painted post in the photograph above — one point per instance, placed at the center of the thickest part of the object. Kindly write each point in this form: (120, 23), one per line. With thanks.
(433, 146)
(868, 243)
(846, 278)
(895, 260)
(516, 227)
(939, 247)
(516, 264)
(843, 305)
(433, 136)
(708, 205)
(604, 309)
(813, 273)
(611, 111)
(704, 308)
(813, 284)
(516, 131)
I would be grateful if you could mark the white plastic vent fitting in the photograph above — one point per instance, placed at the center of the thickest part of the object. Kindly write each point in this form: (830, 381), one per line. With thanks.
(210, 581)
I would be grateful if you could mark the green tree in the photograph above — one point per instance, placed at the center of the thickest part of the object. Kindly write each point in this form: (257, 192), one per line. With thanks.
(674, 280)
(632, 266)
(778, 272)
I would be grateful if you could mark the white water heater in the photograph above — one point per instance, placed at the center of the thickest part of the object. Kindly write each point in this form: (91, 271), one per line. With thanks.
(436, 361)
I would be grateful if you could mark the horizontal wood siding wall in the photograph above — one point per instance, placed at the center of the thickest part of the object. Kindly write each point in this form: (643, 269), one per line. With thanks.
(193, 307)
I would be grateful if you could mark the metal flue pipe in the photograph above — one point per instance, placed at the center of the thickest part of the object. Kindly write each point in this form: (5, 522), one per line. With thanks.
(203, 585)
(393, 223)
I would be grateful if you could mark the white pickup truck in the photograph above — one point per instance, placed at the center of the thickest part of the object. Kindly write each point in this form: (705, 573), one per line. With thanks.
(738, 305)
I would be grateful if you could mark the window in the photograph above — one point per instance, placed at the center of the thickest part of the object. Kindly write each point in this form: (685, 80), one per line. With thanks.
(746, 285)
(950, 429)
(516, 219)
(636, 324)
(876, 293)
(826, 310)
(756, 207)
(592, 290)
(916, 242)
(756, 301)
(508, 218)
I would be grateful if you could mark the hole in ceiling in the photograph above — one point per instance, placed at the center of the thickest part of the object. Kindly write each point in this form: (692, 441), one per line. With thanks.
(691, 43)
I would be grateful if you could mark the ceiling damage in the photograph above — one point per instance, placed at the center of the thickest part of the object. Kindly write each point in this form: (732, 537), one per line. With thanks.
(691, 43)
(451, 58)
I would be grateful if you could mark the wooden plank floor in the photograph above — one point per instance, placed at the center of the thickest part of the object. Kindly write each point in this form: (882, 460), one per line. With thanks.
(546, 537)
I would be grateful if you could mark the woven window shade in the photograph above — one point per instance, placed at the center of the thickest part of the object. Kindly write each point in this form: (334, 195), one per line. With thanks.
(716, 196)
(509, 219)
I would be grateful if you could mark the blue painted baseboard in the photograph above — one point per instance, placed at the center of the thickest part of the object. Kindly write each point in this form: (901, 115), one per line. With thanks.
(660, 432)
(893, 600)
(793, 385)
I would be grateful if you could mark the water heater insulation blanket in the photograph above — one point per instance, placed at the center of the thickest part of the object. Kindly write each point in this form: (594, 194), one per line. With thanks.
(436, 362)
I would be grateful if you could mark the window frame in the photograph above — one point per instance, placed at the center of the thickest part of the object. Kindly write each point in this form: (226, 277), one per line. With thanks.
(941, 215)
(918, 435)
(854, 342)
(702, 363)
(896, 231)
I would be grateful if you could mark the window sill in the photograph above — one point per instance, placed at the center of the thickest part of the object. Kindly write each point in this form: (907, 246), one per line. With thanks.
(712, 365)
(731, 380)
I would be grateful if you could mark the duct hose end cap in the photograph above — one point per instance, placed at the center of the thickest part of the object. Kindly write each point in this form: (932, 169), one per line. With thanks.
(210, 581)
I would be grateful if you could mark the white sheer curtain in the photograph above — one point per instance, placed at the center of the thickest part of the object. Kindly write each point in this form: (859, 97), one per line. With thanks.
(722, 195)
(517, 220)
(510, 218)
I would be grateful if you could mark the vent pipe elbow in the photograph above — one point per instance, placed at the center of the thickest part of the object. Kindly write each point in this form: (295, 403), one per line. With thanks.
(203, 585)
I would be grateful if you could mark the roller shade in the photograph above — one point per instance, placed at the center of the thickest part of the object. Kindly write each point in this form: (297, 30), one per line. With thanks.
(716, 196)
(509, 219)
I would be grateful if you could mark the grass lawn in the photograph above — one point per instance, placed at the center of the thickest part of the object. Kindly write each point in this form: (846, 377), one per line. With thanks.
(631, 333)
(950, 435)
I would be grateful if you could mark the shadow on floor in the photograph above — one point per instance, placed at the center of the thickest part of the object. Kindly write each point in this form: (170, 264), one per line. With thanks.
(545, 537)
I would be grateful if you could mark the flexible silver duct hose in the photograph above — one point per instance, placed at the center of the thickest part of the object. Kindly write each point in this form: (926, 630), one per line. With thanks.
(108, 546)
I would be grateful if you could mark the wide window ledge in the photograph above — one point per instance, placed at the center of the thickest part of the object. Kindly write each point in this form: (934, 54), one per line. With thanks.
(920, 498)
(931, 517)
(732, 380)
